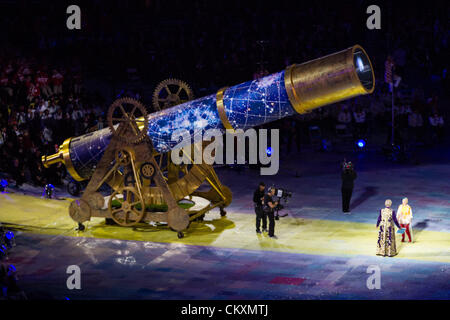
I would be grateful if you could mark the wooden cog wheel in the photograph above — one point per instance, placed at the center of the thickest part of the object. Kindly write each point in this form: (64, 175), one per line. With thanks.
(171, 92)
(126, 207)
(132, 115)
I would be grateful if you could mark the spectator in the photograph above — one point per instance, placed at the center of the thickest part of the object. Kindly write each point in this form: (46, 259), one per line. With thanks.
(57, 81)
(360, 122)
(415, 123)
(345, 116)
(437, 126)
(43, 82)
(47, 135)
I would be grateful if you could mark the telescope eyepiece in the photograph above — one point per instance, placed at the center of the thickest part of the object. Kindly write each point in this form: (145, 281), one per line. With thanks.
(363, 69)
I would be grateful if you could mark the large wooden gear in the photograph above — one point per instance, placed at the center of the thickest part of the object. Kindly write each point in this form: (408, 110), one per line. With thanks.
(130, 116)
(171, 92)
(142, 180)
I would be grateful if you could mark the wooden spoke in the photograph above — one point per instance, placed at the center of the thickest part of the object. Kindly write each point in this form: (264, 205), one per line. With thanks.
(123, 124)
(123, 111)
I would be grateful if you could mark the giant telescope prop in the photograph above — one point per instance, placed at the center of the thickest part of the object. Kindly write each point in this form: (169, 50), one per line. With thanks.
(132, 155)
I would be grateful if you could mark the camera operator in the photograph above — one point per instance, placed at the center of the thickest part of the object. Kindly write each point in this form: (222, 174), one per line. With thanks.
(258, 199)
(348, 176)
(269, 207)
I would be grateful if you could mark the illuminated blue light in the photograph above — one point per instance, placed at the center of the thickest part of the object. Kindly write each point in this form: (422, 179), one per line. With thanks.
(4, 183)
(9, 235)
(361, 143)
(269, 151)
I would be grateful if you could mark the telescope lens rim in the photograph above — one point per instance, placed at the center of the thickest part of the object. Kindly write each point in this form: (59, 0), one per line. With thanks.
(363, 69)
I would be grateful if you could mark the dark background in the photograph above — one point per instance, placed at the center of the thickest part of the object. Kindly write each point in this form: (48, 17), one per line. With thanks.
(213, 43)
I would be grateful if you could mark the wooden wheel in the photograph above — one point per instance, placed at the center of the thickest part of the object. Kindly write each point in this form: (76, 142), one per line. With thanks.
(123, 157)
(79, 210)
(126, 206)
(147, 170)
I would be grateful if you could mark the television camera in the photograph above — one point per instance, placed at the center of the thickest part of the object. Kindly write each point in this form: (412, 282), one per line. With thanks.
(282, 195)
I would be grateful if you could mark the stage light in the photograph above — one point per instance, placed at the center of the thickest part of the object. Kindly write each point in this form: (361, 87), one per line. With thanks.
(361, 143)
(269, 151)
(8, 239)
(3, 185)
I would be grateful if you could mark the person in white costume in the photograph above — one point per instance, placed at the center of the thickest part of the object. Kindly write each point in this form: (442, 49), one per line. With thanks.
(404, 217)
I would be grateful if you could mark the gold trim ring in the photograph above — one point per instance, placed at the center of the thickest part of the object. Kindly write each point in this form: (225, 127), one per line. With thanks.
(221, 109)
(63, 156)
(326, 80)
(292, 95)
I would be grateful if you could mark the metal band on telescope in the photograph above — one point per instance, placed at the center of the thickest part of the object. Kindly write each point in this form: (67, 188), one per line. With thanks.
(328, 79)
(221, 109)
(63, 156)
(293, 97)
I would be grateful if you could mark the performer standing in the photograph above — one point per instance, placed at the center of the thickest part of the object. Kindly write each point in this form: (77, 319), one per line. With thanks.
(269, 207)
(258, 200)
(404, 216)
(348, 177)
(386, 231)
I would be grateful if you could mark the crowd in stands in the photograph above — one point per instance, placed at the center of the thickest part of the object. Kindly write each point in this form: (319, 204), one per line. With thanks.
(43, 66)
(417, 122)
(37, 112)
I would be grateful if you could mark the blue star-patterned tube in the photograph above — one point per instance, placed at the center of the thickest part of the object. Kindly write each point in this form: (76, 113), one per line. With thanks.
(256, 102)
(297, 89)
(247, 105)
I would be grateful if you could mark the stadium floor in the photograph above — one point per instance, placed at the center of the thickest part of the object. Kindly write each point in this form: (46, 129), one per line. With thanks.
(320, 253)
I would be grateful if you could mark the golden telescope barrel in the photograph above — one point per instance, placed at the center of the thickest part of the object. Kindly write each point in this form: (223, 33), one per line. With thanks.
(298, 89)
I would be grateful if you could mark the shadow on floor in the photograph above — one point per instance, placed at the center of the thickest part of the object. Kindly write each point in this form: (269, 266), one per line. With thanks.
(368, 192)
(418, 228)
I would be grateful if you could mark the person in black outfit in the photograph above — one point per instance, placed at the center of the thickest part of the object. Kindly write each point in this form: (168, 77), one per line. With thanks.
(348, 176)
(269, 206)
(258, 200)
